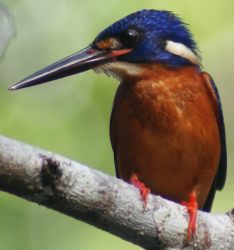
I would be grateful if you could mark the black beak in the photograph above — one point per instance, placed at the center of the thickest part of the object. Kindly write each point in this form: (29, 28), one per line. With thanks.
(83, 60)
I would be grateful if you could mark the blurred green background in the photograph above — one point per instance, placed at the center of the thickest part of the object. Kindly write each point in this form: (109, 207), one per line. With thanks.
(73, 118)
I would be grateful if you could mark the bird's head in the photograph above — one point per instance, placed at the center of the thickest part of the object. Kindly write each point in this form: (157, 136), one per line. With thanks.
(144, 37)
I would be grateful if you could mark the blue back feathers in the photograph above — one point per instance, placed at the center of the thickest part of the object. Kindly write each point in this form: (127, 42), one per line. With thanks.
(155, 27)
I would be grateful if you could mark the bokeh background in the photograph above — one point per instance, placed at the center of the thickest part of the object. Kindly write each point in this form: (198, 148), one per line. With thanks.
(71, 116)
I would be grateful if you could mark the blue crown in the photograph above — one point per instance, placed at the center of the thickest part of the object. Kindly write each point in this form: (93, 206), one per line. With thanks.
(154, 28)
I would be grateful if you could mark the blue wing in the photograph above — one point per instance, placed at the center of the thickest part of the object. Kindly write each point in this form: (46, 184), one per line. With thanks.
(220, 178)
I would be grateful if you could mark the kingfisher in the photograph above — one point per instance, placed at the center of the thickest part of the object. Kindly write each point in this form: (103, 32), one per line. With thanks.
(167, 127)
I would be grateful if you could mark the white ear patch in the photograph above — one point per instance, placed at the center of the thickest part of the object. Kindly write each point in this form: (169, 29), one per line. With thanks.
(180, 49)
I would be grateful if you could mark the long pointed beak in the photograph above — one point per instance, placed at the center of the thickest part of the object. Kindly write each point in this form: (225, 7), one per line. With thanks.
(83, 60)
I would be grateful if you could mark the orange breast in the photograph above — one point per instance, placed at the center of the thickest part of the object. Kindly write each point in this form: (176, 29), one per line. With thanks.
(164, 129)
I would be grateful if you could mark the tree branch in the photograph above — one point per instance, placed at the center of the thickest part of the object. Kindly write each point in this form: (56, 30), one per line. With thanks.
(106, 202)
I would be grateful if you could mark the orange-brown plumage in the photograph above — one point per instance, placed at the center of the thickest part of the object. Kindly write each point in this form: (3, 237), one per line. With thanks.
(164, 128)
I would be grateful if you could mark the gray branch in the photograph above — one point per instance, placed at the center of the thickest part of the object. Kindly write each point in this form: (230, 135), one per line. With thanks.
(106, 202)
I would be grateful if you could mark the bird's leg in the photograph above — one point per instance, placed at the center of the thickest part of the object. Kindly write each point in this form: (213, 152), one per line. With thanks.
(144, 191)
(192, 208)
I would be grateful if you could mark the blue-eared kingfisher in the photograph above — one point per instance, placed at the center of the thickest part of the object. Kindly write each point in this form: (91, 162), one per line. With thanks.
(166, 128)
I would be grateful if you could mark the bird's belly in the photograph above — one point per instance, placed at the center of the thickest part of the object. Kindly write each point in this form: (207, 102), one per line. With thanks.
(172, 162)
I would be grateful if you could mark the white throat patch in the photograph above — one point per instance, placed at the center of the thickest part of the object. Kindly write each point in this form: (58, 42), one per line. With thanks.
(119, 70)
(180, 49)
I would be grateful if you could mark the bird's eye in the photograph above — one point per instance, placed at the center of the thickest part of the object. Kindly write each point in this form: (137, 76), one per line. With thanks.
(129, 38)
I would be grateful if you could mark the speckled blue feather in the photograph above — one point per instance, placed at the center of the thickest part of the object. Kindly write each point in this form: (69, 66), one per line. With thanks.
(156, 27)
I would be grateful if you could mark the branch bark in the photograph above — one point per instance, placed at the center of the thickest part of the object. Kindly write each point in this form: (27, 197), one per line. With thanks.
(106, 202)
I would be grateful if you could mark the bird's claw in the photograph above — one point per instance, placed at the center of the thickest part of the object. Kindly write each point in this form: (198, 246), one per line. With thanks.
(144, 191)
(192, 207)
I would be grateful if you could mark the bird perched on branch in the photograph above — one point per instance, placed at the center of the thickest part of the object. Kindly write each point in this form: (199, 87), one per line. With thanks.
(167, 129)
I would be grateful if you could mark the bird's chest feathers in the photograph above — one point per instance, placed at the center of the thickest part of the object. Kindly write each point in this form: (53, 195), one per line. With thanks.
(165, 124)
(160, 101)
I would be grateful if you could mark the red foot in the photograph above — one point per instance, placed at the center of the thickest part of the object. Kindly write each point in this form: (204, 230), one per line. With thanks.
(144, 191)
(192, 208)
